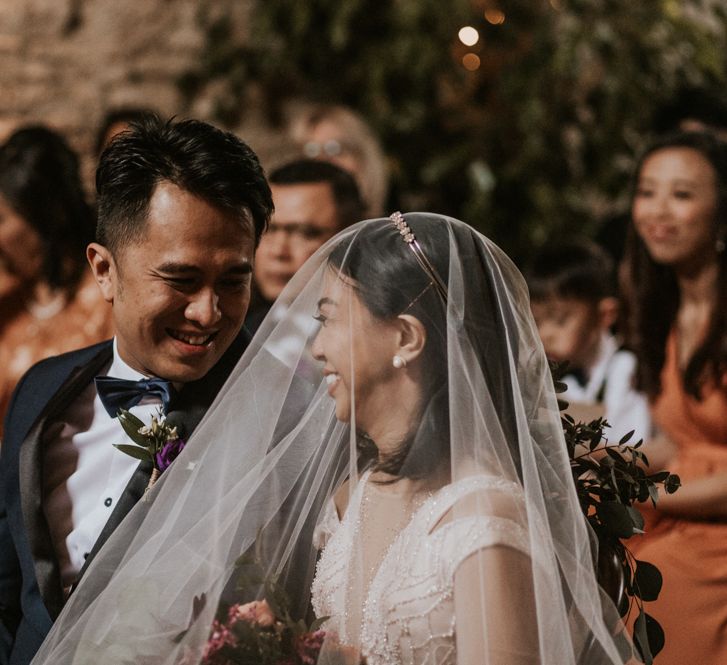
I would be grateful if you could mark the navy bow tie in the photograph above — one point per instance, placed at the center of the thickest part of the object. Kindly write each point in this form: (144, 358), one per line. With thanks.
(119, 394)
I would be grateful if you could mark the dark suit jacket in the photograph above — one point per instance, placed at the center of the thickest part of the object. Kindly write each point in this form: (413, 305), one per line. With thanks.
(31, 596)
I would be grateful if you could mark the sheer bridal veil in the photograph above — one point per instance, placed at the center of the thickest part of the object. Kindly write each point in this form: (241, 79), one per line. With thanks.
(303, 418)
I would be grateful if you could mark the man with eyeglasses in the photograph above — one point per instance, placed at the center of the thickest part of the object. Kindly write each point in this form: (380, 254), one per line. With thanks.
(313, 201)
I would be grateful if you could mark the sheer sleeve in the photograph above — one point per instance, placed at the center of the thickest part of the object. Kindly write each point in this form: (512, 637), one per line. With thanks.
(495, 611)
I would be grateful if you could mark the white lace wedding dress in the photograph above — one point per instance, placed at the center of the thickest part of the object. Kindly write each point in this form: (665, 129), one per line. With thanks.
(407, 616)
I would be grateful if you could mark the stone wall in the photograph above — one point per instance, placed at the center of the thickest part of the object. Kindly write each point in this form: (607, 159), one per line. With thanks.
(66, 62)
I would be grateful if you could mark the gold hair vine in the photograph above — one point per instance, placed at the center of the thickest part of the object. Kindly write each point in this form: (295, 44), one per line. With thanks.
(410, 239)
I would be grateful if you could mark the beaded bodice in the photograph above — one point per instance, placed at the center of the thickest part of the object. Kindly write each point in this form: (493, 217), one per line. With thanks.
(408, 614)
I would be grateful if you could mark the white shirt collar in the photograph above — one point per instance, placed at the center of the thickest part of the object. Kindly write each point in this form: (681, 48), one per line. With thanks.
(120, 369)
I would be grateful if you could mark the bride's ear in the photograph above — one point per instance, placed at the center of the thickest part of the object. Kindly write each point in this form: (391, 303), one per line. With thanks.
(412, 337)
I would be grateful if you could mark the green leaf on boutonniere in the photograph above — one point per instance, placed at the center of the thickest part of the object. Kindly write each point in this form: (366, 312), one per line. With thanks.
(135, 451)
(132, 425)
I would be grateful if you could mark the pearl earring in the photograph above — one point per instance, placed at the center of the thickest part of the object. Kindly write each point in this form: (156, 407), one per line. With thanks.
(398, 362)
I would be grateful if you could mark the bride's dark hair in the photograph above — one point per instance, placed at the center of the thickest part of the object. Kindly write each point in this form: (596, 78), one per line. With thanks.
(390, 281)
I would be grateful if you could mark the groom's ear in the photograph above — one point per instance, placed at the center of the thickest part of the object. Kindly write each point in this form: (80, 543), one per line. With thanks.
(412, 337)
(103, 267)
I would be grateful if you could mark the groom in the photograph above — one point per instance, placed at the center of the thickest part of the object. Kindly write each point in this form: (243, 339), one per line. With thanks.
(182, 206)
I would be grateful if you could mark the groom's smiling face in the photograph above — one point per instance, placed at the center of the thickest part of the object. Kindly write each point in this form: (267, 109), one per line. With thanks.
(180, 293)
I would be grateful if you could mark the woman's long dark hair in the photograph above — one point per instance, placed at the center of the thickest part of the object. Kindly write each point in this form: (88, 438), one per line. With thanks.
(39, 179)
(651, 293)
(390, 282)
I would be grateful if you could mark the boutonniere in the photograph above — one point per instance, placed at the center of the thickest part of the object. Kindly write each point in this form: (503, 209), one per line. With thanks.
(158, 442)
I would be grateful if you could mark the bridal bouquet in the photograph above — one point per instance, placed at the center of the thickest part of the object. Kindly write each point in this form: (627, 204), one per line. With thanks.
(253, 634)
(264, 632)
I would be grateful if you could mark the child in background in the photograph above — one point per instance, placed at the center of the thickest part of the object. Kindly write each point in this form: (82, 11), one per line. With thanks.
(572, 294)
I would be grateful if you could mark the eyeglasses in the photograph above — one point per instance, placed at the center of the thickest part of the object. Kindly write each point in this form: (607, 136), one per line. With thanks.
(330, 148)
(299, 232)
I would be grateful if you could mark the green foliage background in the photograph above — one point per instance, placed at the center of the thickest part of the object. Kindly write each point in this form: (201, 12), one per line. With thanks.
(538, 142)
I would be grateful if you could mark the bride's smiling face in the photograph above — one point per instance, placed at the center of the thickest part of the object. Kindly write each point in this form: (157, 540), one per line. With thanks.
(356, 350)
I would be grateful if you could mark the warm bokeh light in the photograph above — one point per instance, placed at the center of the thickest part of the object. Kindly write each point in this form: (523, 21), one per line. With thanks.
(556, 4)
(469, 36)
(495, 16)
(471, 62)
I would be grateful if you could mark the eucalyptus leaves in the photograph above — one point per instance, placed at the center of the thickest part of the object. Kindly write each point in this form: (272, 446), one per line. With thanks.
(610, 479)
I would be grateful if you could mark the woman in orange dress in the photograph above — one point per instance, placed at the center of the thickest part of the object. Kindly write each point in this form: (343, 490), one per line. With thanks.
(49, 302)
(675, 291)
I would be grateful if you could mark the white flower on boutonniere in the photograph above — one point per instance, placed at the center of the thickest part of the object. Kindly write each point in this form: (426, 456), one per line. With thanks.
(158, 442)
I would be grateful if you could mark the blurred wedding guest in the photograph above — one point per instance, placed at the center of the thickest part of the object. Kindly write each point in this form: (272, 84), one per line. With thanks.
(313, 201)
(118, 120)
(691, 109)
(53, 304)
(339, 135)
(573, 298)
(675, 288)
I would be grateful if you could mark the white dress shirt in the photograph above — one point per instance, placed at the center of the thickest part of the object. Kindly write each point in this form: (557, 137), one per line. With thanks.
(611, 383)
(84, 475)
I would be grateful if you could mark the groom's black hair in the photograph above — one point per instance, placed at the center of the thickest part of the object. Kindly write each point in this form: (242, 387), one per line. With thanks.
(205, 161)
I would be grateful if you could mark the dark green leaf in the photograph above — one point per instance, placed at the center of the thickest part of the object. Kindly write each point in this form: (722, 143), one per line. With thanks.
(615, 455)
(317, 623)
(135, 451)
(626, 437)
(672, 483)
(637, 518)
(648, 636)
(653, 493)
(616, 519)
(131, 425)
(560, 387)
(648, 580)
(659, 477)
(641, 638)
(655, 633)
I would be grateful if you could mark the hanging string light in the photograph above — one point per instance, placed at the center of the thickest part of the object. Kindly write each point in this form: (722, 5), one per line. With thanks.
(469, 35)
(494, 16)
(471, 61)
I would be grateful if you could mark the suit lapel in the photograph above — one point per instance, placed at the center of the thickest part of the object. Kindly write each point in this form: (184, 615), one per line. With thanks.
(186, 409)
(31, 482)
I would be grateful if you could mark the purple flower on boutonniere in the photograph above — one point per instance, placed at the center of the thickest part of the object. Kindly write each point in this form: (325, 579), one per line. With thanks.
(168, 454)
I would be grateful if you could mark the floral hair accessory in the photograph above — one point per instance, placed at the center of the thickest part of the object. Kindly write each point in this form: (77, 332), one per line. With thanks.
(410, 239)
(158, 442)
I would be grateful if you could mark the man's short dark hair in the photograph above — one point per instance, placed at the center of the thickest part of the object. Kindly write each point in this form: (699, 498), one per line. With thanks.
(205, 161)
(575, 269)
(350, 207)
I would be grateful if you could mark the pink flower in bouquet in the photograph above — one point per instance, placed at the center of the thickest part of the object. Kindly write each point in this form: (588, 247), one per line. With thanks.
(256, 612)
(220, 637)
(308, 646)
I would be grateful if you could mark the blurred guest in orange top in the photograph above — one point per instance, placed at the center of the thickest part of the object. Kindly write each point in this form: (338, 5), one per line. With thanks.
(675, 287)
(49, 301)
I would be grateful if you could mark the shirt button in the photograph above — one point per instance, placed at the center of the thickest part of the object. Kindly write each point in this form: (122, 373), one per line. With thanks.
(107, 502)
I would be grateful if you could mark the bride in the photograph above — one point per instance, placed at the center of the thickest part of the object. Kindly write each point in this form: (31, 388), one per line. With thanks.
(393, 447)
